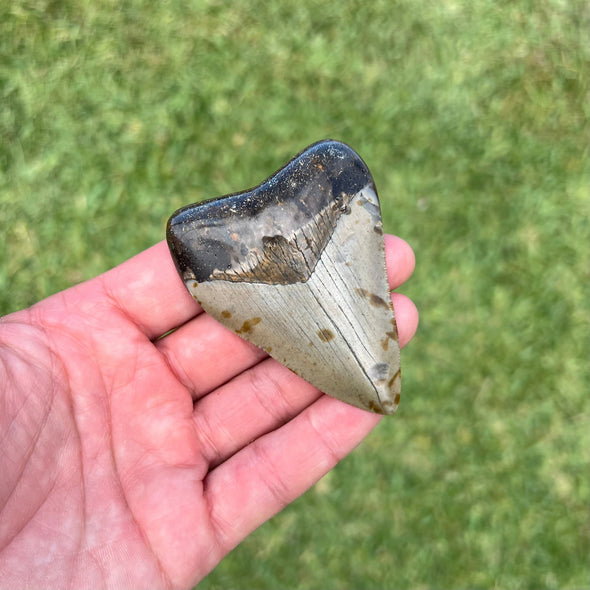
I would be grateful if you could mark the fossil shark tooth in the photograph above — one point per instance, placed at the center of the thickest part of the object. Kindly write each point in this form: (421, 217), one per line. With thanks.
(297, 266)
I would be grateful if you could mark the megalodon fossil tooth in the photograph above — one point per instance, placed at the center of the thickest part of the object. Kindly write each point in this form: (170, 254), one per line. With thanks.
(297, 266)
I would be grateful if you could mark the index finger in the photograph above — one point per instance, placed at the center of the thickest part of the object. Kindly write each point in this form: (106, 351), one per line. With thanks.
(149, 291)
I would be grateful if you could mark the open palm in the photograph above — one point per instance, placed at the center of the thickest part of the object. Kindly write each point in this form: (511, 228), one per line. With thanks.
(135, 457)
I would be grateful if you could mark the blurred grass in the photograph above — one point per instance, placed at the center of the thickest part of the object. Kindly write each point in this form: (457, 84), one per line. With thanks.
(473, 118)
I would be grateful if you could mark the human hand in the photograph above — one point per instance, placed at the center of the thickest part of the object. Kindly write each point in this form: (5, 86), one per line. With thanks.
(133, 459)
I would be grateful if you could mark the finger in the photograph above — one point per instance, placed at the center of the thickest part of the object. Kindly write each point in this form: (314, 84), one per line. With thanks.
(148, 290)
(265, 397)
(205, 355)
(406, 317)
(252, 404)
(268, 474)
(400, 260)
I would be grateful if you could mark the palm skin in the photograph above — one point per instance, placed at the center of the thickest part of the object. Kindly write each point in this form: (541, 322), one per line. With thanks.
(133, 460)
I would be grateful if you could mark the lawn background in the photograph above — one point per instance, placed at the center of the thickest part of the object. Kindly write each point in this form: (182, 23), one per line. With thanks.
(473, 118)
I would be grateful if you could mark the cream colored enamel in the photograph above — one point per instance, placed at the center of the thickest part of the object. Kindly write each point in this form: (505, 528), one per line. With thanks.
(337, 330)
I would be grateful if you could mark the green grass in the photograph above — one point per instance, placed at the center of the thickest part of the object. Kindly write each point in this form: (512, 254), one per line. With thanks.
(473, 118)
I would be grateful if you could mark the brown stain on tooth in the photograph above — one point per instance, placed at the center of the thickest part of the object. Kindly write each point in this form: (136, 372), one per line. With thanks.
(374, 407)
(378, 301)
(396, 399)
(393, 335)
(248, 325)
(392, 380)
(325, 335)
(226, 314)
(373, 298)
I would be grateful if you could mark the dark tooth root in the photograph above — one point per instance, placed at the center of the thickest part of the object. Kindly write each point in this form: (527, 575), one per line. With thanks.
(297, 210)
